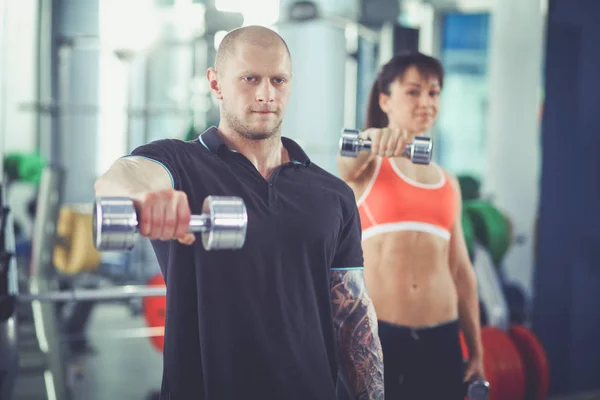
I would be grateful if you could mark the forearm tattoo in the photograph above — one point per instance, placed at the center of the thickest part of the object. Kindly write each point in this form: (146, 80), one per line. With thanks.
(361, 358)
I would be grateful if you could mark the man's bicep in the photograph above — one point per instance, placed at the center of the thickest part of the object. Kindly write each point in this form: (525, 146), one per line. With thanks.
(350, 298)
(130, 177)
(348, 290)
(349, 254)
(155, 171)
(151, 167)
(347, 280)
(162, 156)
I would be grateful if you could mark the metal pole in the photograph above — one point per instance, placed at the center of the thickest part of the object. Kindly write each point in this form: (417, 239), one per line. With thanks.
(3, 64)
(200, 112)
(117, 334)
(45, 321)
(9, 358)
(115, 293)
(147, 94)
(351, 74)
(129, 104)
(64, 59)
(38, 71)
(46, 126)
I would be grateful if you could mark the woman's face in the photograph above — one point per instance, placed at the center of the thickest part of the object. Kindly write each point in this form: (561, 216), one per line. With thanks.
(413, 101)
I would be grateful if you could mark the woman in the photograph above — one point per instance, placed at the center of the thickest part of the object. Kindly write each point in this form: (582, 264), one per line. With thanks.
(417, 267)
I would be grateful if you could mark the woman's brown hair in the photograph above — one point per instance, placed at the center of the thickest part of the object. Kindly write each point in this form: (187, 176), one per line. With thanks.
(392, 70)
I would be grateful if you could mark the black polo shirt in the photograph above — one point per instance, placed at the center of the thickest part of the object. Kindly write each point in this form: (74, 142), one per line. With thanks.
(255, 323)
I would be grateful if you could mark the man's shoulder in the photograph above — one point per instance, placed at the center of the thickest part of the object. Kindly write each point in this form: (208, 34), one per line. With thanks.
(333, 182)
(167, 145)
(171, 142)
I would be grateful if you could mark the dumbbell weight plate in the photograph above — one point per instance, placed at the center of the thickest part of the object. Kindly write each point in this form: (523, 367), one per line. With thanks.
(419, 152)
(227, 223)
(114, 224)
(350, 144)
(478, 390)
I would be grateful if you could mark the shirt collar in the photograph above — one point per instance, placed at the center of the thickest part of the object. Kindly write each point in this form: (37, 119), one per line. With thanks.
(211, 139)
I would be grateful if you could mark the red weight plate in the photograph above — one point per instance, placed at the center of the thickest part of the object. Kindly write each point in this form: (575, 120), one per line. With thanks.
(489, 362)
(510, 374)
(154, 309)
(534, 358)
(515, 368)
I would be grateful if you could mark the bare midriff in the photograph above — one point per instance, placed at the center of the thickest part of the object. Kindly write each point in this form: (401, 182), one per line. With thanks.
(408, 278)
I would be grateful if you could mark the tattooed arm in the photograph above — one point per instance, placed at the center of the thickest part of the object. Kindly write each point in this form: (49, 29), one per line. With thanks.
(359, 349)
(355, 322)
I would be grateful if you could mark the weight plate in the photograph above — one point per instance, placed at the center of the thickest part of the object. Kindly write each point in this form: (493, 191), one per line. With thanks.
(74, 252)
(507, 364)
(537, 370)
(154, 309)
(490, 228)
(489, 363)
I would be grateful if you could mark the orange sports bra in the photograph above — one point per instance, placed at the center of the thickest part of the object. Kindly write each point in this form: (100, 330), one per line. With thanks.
(393, 202)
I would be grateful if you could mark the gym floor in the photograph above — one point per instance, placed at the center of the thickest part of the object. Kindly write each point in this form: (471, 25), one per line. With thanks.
(127, 368)
(124, 368)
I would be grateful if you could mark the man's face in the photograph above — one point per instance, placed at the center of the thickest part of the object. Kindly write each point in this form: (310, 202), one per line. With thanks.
(255, 86)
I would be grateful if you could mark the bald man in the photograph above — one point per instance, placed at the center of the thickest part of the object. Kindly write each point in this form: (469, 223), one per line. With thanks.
(288, 314)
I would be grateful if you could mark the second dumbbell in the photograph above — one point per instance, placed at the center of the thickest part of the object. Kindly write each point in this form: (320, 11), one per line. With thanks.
(477, 389)
(419, 151)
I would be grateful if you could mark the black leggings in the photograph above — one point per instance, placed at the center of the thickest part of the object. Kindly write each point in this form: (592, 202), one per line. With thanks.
(422, 363)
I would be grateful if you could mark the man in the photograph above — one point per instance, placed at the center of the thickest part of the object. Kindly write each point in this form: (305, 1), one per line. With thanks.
(287, 314)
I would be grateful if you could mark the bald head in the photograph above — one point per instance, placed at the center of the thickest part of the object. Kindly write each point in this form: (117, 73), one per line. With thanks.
(251, 35)
(252, 81)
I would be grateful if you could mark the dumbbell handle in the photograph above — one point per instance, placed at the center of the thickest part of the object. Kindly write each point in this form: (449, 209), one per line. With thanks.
(365, 144)
(199, 223)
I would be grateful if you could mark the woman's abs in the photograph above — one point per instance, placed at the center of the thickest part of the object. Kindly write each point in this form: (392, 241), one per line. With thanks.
(409, 280)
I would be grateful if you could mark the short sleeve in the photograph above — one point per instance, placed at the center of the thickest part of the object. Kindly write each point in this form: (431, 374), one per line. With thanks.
(349, 254)
(163, 152)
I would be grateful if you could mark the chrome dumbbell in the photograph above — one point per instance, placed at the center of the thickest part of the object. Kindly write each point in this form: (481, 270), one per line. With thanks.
(478, 389)
(419, 151)
(222, 223)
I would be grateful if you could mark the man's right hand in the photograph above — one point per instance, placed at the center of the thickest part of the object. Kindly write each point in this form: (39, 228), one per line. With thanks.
(165, 215)
(386, 142)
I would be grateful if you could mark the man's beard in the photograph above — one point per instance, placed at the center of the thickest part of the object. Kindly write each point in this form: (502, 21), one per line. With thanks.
(247, 131)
